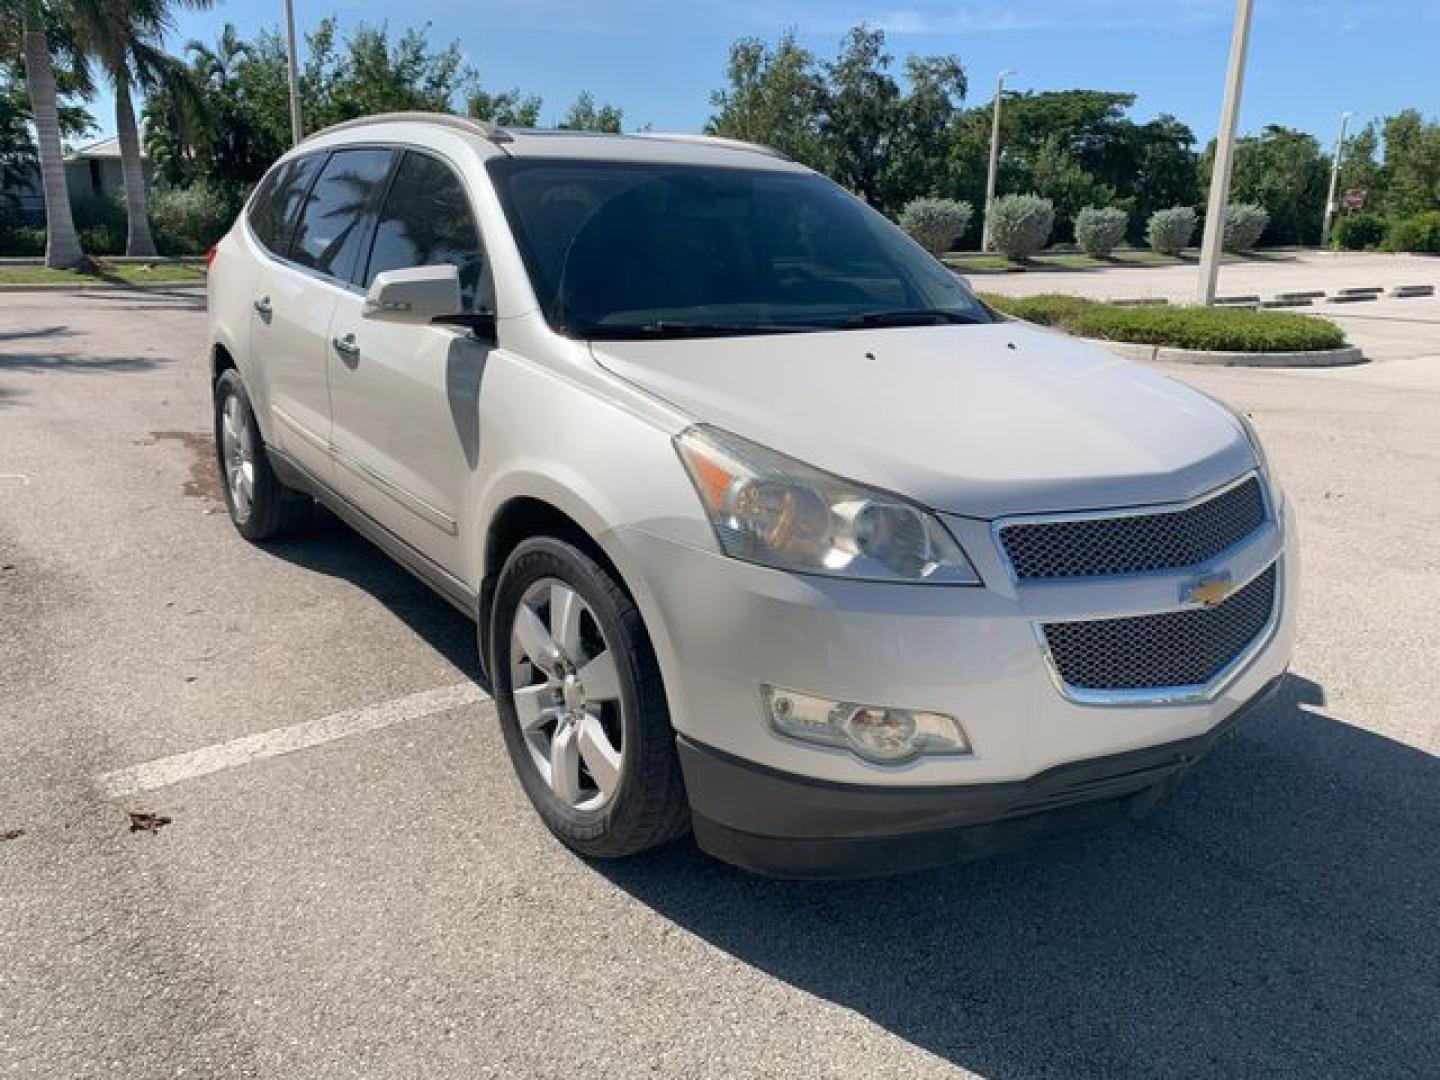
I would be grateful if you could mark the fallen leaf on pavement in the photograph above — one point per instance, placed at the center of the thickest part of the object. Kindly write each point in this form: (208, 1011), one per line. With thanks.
(143, 822)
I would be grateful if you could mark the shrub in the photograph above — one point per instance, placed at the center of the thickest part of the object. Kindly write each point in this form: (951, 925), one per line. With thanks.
(1170, 231)
(1419, 233)
(18, 236)
(935, 224)
(100, 221)
(1245, 223)
(1214, 329)
(1020, 225)
(1100, 231)
(1358, 232)
(186, 221)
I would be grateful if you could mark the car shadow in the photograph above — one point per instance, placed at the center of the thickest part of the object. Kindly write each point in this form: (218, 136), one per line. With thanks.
(331, 547)
(1278, 916)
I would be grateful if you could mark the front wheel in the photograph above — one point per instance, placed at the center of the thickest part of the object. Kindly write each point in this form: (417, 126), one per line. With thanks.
(581, 703)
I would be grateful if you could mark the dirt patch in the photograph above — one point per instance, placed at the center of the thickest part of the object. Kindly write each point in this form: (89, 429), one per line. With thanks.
(204, 479)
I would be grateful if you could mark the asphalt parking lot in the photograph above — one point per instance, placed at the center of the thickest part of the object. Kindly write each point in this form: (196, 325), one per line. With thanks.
(352, 884)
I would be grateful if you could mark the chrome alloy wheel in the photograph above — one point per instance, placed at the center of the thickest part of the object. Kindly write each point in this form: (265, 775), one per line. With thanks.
(237, 454)
(567, 694)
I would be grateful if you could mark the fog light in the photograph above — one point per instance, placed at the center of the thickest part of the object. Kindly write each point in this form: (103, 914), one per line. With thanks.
(885, 735)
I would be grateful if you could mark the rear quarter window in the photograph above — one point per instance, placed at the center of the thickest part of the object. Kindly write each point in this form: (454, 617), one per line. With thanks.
(277, 204)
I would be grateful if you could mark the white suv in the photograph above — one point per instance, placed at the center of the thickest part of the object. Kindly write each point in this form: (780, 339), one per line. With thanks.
(769, 526)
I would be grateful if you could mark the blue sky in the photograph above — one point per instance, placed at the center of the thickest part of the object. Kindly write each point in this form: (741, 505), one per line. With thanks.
(659, 61)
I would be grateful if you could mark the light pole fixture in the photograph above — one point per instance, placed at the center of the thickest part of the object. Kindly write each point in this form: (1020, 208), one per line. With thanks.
(1213, 244)
(1330, 206)
(994, 157)
(297, 131)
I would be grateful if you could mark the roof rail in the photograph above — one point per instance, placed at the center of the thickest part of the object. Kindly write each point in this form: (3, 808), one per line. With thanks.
(714, 140)
(484, 128)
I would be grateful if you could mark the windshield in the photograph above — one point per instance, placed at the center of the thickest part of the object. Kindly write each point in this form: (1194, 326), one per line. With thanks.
(641, 250)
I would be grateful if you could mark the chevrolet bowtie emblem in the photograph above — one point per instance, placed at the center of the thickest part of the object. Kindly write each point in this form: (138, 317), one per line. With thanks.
(1209, 591)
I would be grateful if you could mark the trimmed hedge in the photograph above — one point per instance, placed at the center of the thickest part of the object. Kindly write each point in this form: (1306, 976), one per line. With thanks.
(1100, 230)
(1245, 223)
(936, 224)
(1020, 225)
(1210, 329)
(1170, 231)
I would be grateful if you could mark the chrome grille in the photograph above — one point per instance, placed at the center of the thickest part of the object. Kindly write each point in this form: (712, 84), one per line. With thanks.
(1135, 543)
(1176, 649)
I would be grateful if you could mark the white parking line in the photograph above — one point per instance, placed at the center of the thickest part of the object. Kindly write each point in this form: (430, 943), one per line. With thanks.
(286, 740)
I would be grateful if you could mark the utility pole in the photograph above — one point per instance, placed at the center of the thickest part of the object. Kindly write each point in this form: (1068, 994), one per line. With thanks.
(1210, 250)
(297, 130)
(994, 158)
(1330, 206)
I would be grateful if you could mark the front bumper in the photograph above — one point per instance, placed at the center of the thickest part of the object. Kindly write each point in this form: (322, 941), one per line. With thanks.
(723, 629)
(784, 825)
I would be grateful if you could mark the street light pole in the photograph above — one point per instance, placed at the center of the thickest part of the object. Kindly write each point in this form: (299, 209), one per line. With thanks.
(994, 158)
(297, 131)
(1330, 207)
(1213, 244)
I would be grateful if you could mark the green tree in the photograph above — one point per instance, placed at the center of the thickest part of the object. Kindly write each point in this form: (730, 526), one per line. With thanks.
(1163, 169)
(850, 117)
(240, 122)
(1360, 166)
(585, 115)
(508, 108)
(1055, 173)
(774, 97)
(1086, 150)
(19, 156)
(38, 31)
(367, 73)
(126, 38)
(861, 106)
(1412, 164)
(18, 161)
(1284, 171)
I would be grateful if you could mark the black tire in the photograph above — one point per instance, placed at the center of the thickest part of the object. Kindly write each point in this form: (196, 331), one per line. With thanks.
(274, 510)
(649, 807)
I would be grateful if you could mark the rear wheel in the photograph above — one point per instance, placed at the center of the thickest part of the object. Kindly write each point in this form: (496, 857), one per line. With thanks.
(581, 703)
(261, 507)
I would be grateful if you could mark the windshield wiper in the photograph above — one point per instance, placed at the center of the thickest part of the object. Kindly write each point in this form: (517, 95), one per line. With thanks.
(906, 317)
(696, 330)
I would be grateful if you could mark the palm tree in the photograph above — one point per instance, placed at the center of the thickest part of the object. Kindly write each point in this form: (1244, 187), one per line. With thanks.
(31, 21)
(126, 38)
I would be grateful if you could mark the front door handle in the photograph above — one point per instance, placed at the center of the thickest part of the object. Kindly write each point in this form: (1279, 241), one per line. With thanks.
(263, 308)
(345, 346)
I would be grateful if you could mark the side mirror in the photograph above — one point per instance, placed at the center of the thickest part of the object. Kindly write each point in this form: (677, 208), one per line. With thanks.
(419, 294)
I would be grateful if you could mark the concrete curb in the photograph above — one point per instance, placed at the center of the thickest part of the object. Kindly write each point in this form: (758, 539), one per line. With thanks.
(196, 287)
(1345, 357)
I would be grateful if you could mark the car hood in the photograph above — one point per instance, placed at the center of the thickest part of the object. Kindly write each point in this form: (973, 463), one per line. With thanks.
(981, 421)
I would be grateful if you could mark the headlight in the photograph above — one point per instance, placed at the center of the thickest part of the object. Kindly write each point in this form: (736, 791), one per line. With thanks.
(1262, 462)
(770, 509)
(1261, 459)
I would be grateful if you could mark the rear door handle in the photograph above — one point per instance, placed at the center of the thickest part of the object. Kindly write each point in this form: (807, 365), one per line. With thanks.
(345, 346)
(263, 308)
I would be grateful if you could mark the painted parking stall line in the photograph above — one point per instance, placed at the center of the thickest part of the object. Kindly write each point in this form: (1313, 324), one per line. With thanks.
(166, 771)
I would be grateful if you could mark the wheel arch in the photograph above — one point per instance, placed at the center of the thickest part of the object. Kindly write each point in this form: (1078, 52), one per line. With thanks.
(521, 517)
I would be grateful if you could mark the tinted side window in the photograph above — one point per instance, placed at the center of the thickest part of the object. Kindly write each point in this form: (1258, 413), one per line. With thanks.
(427, 222)
(334, 222)
(272, 216)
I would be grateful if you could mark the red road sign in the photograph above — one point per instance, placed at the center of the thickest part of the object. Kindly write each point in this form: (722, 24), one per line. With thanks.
(1354, 198)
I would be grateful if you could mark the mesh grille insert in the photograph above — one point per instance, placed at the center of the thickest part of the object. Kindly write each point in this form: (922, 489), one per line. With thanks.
(1141, 543)
(1179, 648)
